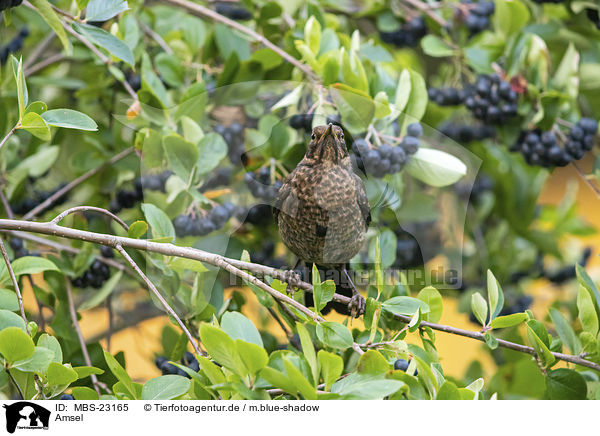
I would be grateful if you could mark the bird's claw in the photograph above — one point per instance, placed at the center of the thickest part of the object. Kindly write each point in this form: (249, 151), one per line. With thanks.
(357, 305)
(293, 279)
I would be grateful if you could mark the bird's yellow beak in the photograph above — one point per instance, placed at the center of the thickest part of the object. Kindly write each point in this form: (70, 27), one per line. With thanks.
(329, 131)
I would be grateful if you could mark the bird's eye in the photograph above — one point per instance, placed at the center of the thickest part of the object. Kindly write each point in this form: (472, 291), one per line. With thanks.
(313, 137)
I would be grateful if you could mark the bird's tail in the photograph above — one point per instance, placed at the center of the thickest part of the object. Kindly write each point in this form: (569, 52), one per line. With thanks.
(343, 286)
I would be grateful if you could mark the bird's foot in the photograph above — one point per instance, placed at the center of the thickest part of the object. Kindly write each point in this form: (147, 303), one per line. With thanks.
(357, 304)
(293, 280)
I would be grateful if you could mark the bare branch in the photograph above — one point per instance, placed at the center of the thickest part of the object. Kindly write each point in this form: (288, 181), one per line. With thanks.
(84, 350)
(6, 204)
(15, 284)
(44, 63)
(8, 135)
(38, 51)
(159, 296)
(69, 186)
(67, 212)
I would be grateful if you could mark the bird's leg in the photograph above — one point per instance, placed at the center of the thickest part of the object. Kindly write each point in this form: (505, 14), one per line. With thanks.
(292, 278)
(357, 303)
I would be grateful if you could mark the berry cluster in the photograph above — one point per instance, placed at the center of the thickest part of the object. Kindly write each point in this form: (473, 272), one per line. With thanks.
(233, 11)
(492, 100)
(186, 225)
(126, 199)
(387, 159)
(481, 185)
(95, 276)
(447, 96)
(234, 137)
(264, 256)
(465, 133)
(5, 4)
(568, 272)
(64, 397)
(15, 45)
(479, 15)
(520, 304)
(167, 368)
(409, 34)
(304, 121)
(408, 252)
(39, 197)
(543, 149)
(260, 185)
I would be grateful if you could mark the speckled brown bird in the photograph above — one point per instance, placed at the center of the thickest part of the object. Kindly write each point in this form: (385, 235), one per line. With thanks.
(322, 209)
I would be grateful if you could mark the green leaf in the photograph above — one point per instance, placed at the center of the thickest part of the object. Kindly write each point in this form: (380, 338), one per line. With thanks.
(237, 326)
(159, 222)
(22, 95)
(372, 362)
(322, 292)
(107, 41)
(102, 10)
(587, 312)
(8, 301)
(508, 320)
(308, 391)
(121, 375)
(165, 387)
(417, 103)
(433, 299)
(44, 8)
(36, 125)
(38, 362)
(86, 371)
(565, 384)
(82, 393)
(27, 265)
(490, 340)
(366, 387)
(357, 108)
(308, 349)
(495, 295)
(334, 335)
(255, 357)
(211, 149)
(312, 34)
(10, 319)
(565, 331)
(222, 349)
(402, 91)
(448, 391)
(435, 167)
(279, 380)
(40, 162)
(182, 155)
(69, 119)
(403, 305)
(535, 333)
(102, 294)
(434, 46)
(510, 17)
(51, 343)
(229, 42)
(137, 229)
(332, 366)
(479, 308)
(60, 375)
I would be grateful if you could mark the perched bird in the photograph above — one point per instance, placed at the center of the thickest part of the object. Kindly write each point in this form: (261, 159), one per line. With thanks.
(323, 213)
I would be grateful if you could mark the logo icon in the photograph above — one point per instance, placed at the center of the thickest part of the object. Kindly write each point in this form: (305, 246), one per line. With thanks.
(26, 415)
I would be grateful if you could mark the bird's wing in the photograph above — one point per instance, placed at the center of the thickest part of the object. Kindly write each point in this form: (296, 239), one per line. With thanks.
(362, 200)
(283, 193)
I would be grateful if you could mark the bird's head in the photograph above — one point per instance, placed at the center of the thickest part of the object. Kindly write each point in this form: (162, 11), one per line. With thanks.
(327, 144)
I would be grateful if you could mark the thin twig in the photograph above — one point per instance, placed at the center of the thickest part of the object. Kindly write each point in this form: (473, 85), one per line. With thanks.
(6, 204)
(50, 200)
(38, 51)
(43, 64)
(8, 135)
(586, 179)
(424, 7)
(67, 212)
(280, 322)
(16, 384)
(155, 36)
(82, 344)
(15, 284)
(158, 295)
(205, 12)
(104, 59)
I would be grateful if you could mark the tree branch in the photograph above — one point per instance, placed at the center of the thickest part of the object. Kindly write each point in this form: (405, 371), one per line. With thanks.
(8, 135)
(15, 284)
(67, 212)
(197, 9)
(50, 200)
(84, 350)
(159, 296)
